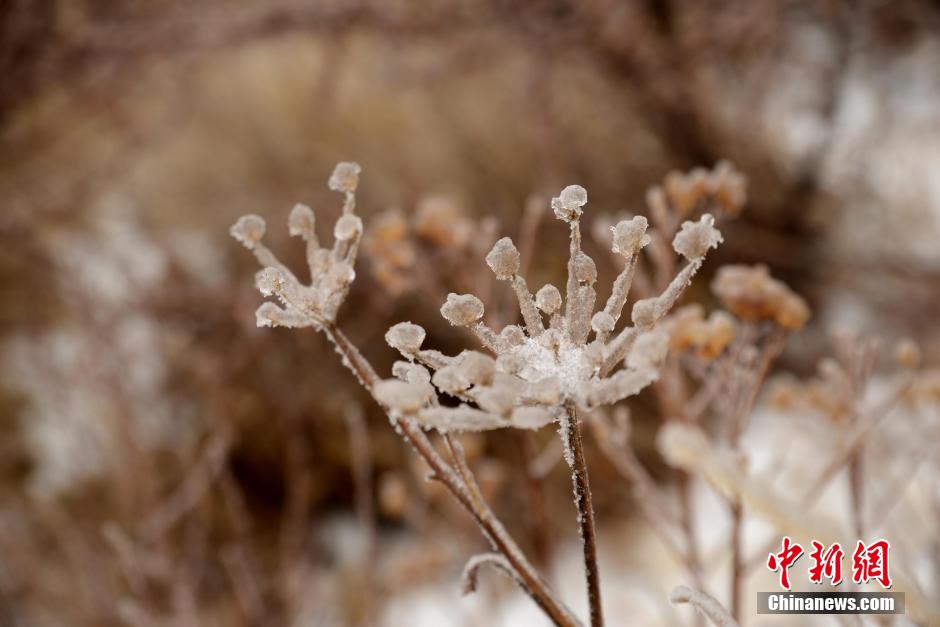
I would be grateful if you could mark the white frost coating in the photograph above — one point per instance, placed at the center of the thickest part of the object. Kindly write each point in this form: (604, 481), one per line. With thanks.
(347, 227)
(567, 206)
(332, 271)
(411, 372)
(345, 177)
(461, 418)
(602, 322)
(695, 238)
(629, 236)
(503, 259)
(704, 604)
(475, 367)
(402, 396)
(405, 337)
(302, 222)
(248, 230)
(462, 309)
(270, 315)
(548, 299)
(498, 400)
(528, 417)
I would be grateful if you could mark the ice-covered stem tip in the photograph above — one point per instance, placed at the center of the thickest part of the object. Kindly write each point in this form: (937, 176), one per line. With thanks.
(331, 271)
(704, 604)
(471, 572)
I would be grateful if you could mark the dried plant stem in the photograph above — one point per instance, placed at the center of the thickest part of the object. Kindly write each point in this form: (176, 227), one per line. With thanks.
(737, 557)
(536, 587)
(582, 498)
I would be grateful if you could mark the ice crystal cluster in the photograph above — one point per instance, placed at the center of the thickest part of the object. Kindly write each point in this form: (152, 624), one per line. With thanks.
(566, 353)
(331, 269)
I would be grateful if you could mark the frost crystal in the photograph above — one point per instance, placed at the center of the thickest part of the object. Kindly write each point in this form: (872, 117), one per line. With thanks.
(503, 259)
(462, 309)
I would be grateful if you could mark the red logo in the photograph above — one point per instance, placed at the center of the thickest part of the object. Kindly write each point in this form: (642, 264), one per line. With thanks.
(868, 562)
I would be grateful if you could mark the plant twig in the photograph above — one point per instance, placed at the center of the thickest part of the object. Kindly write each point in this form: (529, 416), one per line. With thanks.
(582, 499)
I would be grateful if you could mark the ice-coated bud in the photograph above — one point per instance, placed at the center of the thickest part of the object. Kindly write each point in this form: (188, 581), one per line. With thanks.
(695, 238)
(269, 281)
(548, 299)
(402, 396)
(644, 313)
(584, 269)
(503, 259)
(301, 222)
(347, 227)
(629, 236)
(248, 230)
(602, 322)
(345, 177)
(462, 309)
(567, 205)
(405, 337)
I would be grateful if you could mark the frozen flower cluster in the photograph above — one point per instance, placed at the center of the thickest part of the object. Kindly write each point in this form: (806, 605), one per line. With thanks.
(566, 353)
(331, 269)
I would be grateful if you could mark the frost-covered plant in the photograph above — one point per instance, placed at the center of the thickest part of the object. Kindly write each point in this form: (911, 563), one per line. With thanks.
(564, 357)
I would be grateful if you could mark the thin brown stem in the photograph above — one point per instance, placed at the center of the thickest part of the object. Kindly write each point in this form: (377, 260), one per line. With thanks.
(533, 583)
(582, 499)
(737, 558)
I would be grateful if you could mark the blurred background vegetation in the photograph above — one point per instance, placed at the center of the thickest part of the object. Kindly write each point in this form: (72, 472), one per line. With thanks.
(160, 456)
